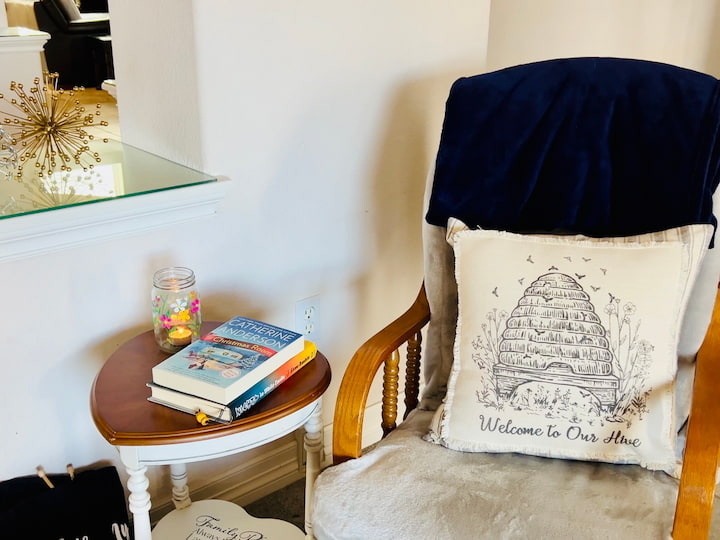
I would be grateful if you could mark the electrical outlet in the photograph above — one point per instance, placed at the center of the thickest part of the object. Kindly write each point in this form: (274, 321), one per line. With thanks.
(307, 317)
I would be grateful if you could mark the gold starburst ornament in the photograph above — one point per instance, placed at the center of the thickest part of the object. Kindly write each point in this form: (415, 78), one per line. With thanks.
(49, 131)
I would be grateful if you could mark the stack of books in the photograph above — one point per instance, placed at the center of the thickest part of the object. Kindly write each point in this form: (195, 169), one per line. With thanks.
(229, 370)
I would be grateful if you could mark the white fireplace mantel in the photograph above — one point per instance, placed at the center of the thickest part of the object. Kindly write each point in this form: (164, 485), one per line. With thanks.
(36, 234)
(20, 55)
(144, 192)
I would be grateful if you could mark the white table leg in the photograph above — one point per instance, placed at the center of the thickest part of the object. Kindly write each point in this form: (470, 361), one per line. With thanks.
(313, 447)
(139, 501)
(180, 491)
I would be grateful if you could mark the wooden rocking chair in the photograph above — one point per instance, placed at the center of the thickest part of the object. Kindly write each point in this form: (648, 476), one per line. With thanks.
(406, 487)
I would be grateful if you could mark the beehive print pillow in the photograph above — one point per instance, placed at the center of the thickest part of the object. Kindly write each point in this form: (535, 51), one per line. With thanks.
(566, 345)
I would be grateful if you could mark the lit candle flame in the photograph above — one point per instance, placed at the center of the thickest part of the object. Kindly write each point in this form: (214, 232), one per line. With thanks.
(179, 335)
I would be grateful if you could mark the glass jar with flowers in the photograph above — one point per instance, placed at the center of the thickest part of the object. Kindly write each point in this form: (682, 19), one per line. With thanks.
(175, 308)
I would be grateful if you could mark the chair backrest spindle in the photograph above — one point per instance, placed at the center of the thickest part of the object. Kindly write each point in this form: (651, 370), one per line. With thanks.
(390, 392)
(412, 373)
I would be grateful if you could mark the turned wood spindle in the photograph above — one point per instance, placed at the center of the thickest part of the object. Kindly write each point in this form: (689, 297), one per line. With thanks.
(412, 373)
(390, 392)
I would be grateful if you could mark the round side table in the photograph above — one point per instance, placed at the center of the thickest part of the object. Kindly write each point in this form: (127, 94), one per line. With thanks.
(146, 433)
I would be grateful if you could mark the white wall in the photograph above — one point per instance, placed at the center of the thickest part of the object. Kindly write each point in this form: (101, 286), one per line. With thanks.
(3, 16)
(323, 115)
(673, 31)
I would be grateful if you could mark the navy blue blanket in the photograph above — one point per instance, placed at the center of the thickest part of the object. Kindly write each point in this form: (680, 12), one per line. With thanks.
(597, 146)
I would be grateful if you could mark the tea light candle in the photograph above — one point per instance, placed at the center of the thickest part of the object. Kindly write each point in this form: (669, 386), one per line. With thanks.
(179, 335)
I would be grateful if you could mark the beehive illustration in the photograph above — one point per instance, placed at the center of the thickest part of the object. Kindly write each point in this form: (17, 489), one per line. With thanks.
(554, 335)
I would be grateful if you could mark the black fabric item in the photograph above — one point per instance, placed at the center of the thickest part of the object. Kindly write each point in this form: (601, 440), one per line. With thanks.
(94, 6)
(90, 507)
(597, 146)
(79, 51)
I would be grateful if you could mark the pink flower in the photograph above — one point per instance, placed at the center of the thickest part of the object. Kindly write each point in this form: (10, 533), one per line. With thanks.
(165, 320)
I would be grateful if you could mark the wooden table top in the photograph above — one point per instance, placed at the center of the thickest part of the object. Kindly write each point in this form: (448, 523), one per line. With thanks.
(125, 417)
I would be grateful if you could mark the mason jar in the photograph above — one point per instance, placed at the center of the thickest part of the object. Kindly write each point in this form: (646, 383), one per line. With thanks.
(175, 308)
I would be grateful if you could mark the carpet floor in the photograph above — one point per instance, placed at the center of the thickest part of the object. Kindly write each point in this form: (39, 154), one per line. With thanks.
(287, 504)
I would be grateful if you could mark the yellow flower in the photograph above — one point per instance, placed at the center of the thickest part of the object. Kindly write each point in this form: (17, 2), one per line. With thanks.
(181, 316)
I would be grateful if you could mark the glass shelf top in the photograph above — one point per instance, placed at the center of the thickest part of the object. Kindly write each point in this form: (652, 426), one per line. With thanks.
(124, 171)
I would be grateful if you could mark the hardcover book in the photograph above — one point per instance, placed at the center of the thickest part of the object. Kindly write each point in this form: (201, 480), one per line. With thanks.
(227, 412)
(229, 360)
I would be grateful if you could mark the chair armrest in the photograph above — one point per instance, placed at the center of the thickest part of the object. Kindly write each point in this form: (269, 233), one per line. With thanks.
(359, 375)
(98, 25)
(693, 512)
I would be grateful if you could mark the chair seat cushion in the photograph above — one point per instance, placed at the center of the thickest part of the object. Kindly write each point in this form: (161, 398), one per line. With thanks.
(407, 488)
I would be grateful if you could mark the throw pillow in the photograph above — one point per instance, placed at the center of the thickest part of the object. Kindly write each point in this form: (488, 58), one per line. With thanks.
(566, 346)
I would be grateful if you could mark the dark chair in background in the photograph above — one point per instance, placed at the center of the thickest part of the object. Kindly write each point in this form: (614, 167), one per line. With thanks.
(94, 6)
(80, 46)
